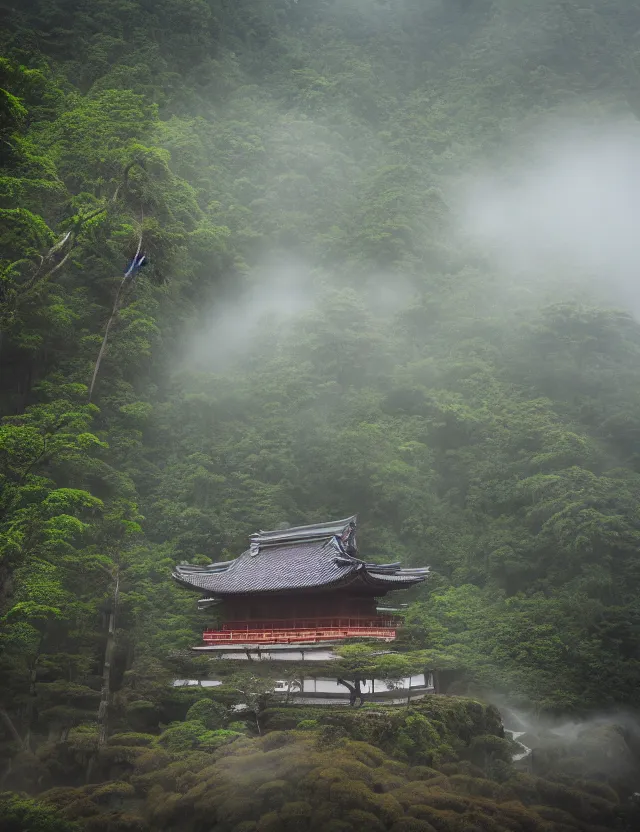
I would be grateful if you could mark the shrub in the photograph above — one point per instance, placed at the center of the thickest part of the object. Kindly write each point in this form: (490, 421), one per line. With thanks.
(22, 814)
(599, 790)
(320, 780)
(182, 736)
(441, 800)
(295, 816)
(142, 715)
(486, 748)
(211, 740)
(336, 826)
(423, 773)
(384, 782)
(307, 725)
(152, 759)
(556, 815)
(112, 793)
(272, 793)
(81, 808)
(238, 807)
(412, 825)
(353, 794)
(277, 739)
(525, 818)
(270, 823)
(331, 736)
(364, 821)
(418, 791)
(114, 823)
(441, 821)
(479, 787)
(132, 738)
(213, 715)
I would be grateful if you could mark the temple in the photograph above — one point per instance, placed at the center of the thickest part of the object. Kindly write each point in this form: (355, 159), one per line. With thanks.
(295, 593)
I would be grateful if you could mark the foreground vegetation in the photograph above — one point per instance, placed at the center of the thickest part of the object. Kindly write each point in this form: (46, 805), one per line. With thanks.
(446, 767)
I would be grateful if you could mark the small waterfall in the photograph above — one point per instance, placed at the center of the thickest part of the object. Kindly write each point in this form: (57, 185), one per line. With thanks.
(525, 752)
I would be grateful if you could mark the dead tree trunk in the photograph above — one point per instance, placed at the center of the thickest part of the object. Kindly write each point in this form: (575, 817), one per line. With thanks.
(105, 693)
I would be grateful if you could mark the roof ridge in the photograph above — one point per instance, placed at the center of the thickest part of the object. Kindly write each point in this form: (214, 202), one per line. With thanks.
(309, 532)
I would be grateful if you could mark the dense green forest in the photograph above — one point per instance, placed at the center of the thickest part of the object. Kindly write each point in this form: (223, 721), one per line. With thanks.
(320, 330)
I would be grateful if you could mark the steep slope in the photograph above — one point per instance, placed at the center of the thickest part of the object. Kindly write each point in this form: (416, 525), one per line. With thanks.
(308, 339)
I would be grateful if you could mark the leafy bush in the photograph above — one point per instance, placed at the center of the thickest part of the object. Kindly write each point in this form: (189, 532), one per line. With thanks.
(212, 714)
(133, 738)
(23, 814)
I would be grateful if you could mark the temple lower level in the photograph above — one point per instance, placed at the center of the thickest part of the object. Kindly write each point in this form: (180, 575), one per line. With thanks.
(302, 631)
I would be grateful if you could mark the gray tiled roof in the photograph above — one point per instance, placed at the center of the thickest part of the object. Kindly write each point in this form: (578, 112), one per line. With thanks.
(302, 558)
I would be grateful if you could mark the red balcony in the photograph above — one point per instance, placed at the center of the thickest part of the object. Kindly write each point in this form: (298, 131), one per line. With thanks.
(295, 631)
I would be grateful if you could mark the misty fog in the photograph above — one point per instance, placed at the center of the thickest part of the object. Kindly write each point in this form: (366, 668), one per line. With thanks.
(560, 211)
(389, 270)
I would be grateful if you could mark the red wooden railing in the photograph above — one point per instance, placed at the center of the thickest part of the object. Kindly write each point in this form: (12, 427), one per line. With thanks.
(314, 623)
(302, 630)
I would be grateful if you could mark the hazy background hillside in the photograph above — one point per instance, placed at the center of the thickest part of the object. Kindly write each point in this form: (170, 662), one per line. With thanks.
(392, 270)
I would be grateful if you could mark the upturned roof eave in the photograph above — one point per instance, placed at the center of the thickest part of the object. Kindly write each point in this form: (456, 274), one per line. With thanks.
(356, 576)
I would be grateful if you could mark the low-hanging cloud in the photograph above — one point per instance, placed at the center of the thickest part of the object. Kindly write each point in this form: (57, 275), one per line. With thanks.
(563, 208)
(234, 328)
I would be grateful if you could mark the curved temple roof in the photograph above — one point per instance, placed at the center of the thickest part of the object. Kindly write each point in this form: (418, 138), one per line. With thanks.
(304, 557)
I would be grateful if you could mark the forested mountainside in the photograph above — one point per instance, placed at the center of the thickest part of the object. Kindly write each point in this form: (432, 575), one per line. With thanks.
(345, 309)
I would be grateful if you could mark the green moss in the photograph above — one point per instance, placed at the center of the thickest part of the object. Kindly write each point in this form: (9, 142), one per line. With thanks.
(119, 754)
(277, 739)
(599, 790)
(142, 715)
(211, 740)
(239, 807)
(423, 773)
(463, 784)
(412, 825)
(285, 781)
(307, 725)
(19, 813)
(295, 816)
(423, 791)
(364, 821)
(556, 815)
(82, 808)
(320, 780)
(382, 781)
(353, 794)
(107, 792)
(525, 818)
(132, 738)
(152, 759)
(270, 822)
(442, 821)
(440, 799)
(273, 792)
(212, 714)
